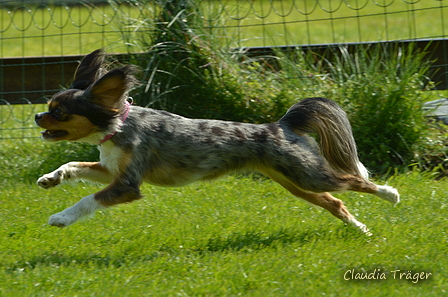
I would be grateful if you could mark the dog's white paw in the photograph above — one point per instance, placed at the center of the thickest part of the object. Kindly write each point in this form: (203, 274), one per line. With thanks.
(61, 219)
(84, 208)
(50, 180)
(360, 226)
(388, 193)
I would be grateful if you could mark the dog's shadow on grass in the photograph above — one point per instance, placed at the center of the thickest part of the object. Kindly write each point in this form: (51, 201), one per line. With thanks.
(258, 240)
(235, 242)
(60, 259)
(255, 240)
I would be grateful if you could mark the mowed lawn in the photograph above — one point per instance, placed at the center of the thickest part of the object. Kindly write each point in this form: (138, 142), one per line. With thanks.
(240, 236)
(45, 30)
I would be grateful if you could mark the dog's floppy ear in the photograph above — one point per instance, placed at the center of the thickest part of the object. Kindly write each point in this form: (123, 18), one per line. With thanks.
(88, 70)
(110, 89)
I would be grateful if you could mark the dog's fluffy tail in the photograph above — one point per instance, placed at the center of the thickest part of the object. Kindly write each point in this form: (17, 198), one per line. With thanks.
(330, 122)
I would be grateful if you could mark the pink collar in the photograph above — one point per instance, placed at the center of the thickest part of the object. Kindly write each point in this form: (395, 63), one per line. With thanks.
(123, 118)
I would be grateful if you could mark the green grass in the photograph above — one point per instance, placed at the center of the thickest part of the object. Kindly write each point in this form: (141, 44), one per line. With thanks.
(63, 30)
(267, 23)
(241, 236)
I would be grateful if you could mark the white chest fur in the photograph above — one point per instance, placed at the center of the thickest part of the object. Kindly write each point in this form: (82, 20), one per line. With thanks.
(110, 156)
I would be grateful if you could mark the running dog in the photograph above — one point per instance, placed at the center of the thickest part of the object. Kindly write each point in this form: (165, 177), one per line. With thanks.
(145, 145)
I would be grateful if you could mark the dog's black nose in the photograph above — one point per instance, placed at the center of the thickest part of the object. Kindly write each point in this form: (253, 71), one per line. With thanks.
(39, 116)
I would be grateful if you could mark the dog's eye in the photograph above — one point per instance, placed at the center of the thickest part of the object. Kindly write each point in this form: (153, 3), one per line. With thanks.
(57, 113)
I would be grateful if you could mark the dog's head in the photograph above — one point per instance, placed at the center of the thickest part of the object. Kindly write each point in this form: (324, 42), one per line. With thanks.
(92, 106)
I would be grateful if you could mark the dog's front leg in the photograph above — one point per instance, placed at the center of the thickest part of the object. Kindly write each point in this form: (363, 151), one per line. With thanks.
(121, 190)
(85, 207)
(73, 171)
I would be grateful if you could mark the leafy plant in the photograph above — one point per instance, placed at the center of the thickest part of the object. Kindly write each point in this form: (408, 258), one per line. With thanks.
(187, 72)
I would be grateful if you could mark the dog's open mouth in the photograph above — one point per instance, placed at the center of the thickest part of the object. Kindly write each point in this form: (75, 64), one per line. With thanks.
(51, 134)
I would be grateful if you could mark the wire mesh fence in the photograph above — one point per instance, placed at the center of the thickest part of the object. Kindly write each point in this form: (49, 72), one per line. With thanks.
(41, 41)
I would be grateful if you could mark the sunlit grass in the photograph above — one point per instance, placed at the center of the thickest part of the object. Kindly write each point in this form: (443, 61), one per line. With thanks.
(64, 30)
(264, 23)
(238, 236)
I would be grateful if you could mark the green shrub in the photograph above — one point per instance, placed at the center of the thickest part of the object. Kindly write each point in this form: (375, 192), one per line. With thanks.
(187, 72)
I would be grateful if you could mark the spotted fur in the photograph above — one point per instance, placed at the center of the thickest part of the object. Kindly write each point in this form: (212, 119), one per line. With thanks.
(165, 149)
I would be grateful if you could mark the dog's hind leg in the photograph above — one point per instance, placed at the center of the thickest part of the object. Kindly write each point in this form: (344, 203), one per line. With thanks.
(325, 200)
(359, 184)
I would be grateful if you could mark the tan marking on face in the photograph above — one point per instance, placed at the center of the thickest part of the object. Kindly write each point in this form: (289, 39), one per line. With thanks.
(52, 104)
(77, 127)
